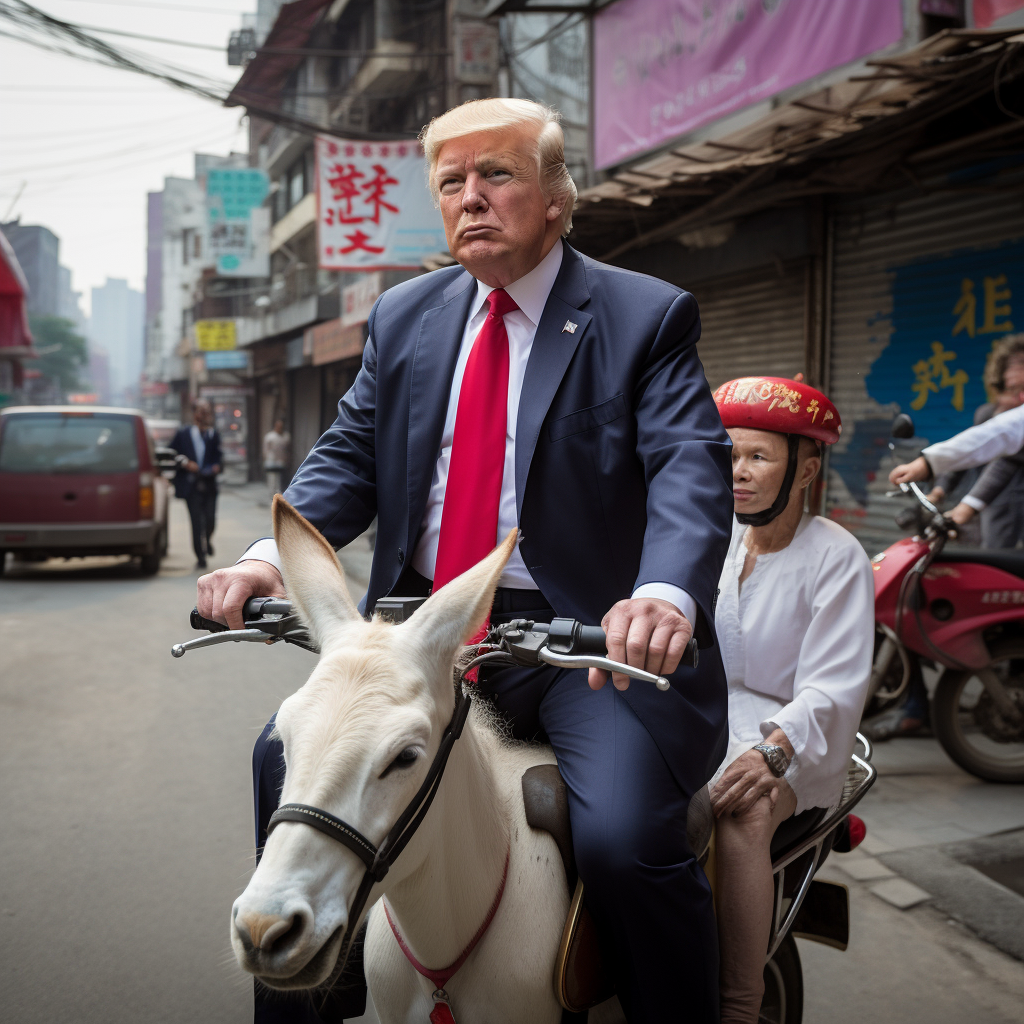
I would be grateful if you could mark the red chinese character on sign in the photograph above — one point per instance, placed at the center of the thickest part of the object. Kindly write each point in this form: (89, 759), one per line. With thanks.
(402, 150)
(350, 151)
(367, 151)
(385, 151)
(332, 148)
(359, 240)
(342, 179)
(376, 187)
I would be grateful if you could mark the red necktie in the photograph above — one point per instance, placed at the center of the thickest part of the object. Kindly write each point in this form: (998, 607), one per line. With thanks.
(469, 519)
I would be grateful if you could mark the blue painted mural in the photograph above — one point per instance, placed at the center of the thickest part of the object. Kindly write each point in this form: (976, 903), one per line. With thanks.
(946, 316)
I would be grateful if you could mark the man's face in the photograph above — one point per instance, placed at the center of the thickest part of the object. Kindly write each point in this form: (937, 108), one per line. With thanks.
(202, 415)
(496, 218)
(1013, 385)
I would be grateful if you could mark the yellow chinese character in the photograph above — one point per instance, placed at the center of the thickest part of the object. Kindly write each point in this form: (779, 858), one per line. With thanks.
(995, 292)
(927, 370)
(813, 409)
(965, 309)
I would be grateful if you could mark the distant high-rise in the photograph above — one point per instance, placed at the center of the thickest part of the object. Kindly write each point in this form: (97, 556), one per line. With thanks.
(38, 252)
(116, 327)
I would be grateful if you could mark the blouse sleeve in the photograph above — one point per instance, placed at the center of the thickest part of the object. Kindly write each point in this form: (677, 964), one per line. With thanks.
(834, 664)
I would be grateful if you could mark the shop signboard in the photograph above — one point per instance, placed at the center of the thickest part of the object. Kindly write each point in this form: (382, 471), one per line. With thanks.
(238, 224)
(215, 335)
(331, 341)
(357, 299)
(374, 210)
(227, 360)
(665, 67)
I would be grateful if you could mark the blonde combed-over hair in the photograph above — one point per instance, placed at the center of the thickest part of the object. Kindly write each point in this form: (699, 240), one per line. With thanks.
(500, 114)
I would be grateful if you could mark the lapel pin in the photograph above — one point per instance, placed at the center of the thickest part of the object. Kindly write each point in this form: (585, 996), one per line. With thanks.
(570, 327)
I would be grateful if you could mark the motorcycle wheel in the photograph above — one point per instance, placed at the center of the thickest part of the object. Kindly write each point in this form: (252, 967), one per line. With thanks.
(968, 724)
(783, 1001)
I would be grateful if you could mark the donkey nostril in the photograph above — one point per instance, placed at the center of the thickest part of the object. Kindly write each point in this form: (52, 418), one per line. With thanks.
(282, 934)
(271, 933)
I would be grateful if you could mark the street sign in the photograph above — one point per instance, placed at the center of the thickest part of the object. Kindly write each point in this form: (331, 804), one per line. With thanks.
(215, 335)
(227, 360)
(357, 299)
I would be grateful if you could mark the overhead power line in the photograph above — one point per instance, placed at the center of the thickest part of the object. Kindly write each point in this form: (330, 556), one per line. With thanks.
(221, 11)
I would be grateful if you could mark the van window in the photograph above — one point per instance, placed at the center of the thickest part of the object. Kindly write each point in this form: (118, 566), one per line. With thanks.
(53, 443)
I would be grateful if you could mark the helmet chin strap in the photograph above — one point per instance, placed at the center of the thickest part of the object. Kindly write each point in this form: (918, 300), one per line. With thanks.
(774, 510)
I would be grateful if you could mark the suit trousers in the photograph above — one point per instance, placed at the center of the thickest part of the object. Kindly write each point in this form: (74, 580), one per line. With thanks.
(202, 511)
(648, 896)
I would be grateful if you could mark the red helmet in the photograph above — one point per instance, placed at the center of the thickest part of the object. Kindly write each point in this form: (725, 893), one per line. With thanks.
(778, 404)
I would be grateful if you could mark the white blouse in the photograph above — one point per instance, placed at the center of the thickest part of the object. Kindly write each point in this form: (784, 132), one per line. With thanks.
(797, 641)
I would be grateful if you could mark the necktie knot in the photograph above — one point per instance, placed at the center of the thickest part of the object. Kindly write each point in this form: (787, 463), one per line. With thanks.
(501, 302)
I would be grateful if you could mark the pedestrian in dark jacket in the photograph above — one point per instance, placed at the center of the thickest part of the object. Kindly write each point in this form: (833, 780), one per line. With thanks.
(196, 480)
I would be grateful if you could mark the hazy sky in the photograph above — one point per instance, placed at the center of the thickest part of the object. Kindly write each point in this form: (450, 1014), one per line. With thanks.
(89, 143)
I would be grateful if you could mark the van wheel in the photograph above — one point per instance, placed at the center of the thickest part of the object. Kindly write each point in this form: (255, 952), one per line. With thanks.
(151, 560)
(783, 1001)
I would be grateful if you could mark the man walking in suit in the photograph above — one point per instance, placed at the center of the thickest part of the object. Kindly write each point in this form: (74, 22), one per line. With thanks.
(196, 480)
(534, 387)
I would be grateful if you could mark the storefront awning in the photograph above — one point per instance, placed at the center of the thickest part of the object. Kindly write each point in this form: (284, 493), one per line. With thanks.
(15, 338)
(849, 137)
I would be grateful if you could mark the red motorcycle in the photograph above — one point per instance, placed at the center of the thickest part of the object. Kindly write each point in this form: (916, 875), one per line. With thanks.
(961, 611)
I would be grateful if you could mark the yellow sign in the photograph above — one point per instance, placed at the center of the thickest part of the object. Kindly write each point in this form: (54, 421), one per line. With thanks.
(215, 335)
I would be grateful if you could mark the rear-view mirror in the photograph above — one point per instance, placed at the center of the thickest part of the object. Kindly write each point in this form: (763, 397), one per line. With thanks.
(902, 427)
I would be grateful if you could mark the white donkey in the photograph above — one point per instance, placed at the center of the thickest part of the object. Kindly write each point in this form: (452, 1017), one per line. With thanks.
(359, 738)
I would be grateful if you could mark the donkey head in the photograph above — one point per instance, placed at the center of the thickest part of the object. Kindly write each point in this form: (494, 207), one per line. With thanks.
(358, 739)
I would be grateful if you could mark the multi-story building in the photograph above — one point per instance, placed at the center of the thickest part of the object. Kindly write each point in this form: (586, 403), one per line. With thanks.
(116, 330)
(38, 252)
(367, 69)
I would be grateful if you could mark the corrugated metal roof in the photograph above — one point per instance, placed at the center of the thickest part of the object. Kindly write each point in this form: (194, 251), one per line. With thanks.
(837, 140)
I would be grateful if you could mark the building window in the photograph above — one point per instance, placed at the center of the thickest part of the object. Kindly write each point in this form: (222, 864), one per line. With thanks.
(296, 183)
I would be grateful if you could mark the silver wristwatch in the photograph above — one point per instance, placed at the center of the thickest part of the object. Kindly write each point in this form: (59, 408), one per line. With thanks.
(775, 757)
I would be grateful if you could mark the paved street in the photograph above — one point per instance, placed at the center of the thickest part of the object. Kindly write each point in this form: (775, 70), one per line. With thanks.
(127, 821)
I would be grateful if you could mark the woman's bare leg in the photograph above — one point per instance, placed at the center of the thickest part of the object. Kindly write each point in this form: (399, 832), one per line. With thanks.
(744, 902)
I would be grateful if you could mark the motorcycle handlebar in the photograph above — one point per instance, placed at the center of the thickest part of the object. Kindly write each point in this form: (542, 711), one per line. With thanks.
(254, 608)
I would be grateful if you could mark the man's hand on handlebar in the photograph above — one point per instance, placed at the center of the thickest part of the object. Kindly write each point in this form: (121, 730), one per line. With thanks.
(645, 633)
(911, 472)
(220, 595)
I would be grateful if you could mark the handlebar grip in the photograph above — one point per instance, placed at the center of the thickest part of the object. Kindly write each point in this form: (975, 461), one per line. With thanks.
(254, 608)
(197, 621)
(591, 640)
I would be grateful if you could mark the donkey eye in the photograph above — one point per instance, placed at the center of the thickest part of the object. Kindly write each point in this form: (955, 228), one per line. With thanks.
(406, 759)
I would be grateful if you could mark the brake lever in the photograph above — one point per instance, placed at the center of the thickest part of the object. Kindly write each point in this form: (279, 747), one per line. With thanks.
(229, 636)
(606, 664)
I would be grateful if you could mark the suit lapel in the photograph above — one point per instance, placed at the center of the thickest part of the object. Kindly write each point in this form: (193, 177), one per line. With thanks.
(553, 349)
(437, 351)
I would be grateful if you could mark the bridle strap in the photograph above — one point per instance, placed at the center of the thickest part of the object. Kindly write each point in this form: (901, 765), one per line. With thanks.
(329, 825)
(378, 859)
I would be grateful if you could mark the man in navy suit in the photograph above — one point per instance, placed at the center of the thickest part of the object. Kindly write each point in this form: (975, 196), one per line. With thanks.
(196, 480)
(535, 387)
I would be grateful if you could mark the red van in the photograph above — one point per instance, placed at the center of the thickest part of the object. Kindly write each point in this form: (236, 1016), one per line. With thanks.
(80, 481)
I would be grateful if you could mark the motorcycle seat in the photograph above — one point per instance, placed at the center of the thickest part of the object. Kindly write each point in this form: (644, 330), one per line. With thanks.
(793, 831)
(1009, 561)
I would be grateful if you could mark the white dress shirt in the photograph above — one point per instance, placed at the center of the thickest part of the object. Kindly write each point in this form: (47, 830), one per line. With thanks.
(530, 293)
(999, 436)
(797, 641)
(199, 443)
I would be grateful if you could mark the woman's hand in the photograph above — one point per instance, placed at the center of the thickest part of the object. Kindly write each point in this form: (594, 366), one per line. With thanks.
(909, 472)
(744, 782)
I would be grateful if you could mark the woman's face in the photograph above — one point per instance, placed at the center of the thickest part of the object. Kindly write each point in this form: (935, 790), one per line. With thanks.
(759, 461)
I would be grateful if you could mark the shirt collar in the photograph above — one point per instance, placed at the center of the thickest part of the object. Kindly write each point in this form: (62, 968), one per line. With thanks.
(530, 293)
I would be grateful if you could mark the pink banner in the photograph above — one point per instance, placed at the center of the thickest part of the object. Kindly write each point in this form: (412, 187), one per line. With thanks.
(665, 67)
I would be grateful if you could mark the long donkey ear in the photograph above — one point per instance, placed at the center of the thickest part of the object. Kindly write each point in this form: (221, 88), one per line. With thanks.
(456, 612)
(312, 573)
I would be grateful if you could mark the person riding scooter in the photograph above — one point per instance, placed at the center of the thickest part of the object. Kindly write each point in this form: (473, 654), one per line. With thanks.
(795, 617)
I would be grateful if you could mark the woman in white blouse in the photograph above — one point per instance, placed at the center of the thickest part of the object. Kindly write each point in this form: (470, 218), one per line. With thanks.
(795, 618)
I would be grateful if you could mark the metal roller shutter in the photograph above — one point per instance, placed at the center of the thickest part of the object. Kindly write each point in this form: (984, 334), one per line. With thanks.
(907, 270)
(753, 324)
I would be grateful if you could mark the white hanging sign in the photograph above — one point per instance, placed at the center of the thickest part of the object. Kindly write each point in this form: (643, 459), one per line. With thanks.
(374, 210)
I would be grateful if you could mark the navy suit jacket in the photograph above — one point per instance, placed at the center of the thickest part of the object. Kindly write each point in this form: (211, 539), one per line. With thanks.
(184, 481)
(623, 468)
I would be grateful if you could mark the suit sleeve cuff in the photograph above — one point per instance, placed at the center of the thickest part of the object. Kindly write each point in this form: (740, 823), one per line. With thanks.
(674, 595)
(263, 550)
(976, 503)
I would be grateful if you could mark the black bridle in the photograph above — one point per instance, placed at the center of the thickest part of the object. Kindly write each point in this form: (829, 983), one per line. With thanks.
(378, 859)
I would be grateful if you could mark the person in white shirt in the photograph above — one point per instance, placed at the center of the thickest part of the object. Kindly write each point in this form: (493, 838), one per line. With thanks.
(276, 447)
(1001, 436)
(795, 617)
